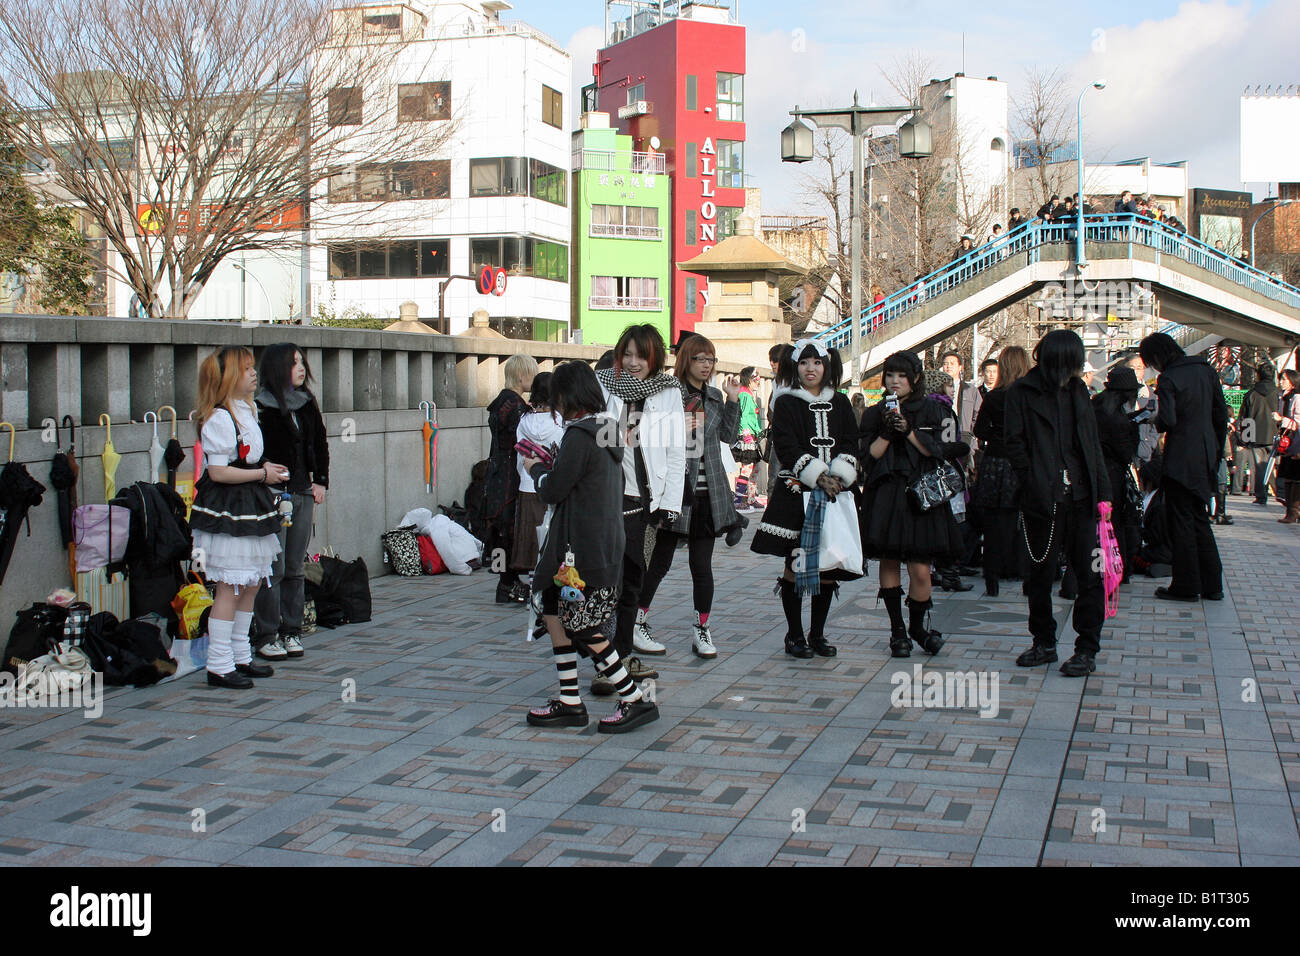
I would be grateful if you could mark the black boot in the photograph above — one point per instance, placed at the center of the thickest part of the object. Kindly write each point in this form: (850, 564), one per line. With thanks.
(821, 608)
(899, 644)
(796, 645)
(949, 580)
(991, 587)
(510, 590)
(928, 640)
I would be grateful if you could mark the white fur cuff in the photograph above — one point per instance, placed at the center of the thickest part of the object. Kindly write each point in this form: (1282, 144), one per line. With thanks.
(809, 469)
(845, 468)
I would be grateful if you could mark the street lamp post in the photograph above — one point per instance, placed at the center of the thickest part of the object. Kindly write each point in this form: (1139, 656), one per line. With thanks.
(244, 273)
(1079, 259)
(1276, 203)
(857, 121)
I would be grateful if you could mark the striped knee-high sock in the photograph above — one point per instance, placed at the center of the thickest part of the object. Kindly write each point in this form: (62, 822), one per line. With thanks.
(566, 665)
(617, 674)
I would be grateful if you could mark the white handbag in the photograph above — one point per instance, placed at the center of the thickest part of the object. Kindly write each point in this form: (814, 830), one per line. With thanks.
(841, 541)
(68, 666)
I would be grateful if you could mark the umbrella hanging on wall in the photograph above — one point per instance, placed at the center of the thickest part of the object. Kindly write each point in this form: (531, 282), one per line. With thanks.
(174, 454)
(430, 432)
(63, 476)
(110, 458)
(19, 493)
(155, 449)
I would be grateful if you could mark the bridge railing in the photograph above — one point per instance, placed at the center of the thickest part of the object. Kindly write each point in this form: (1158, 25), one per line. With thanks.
(1027, 243)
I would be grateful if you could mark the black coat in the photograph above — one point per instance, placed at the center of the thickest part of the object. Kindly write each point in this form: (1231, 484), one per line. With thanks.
(1120, 437)
(1258, 406)
(990, 424)
(1194, 417)
(1033, 446)
(585, 485)
(288, 442)
(159, 542)
(502, 485)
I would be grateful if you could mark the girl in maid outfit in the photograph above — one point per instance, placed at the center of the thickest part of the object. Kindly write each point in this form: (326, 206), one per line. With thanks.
(234, 521)
(813, 428)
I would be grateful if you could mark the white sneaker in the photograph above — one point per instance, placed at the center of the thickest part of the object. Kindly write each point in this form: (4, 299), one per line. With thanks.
(702, 643)
(272, 651)
(292, 645)
(641, 638)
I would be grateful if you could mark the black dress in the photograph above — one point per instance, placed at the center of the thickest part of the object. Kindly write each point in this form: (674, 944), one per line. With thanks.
(892, 526)
(816, 434)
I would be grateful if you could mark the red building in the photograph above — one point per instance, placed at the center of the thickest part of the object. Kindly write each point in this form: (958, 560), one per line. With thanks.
(673, 78)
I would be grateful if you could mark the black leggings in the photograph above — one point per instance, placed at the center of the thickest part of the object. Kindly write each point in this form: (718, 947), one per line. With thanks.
(701, 559)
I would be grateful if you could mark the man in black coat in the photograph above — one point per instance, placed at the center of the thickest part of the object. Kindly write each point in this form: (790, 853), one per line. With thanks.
(1255, 426)
(1194, 419)
(1052, 443)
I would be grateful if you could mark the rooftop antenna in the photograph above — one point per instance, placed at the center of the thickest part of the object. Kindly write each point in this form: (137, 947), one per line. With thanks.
(963, 53)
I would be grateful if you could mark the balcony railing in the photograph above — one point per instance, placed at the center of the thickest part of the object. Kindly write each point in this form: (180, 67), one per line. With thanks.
(619, 231)
(619, 162)
(629, 303)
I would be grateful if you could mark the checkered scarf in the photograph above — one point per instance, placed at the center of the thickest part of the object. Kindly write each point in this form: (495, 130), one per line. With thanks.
(808, 579)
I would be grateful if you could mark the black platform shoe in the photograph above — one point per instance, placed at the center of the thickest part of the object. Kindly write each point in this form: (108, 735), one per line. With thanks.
(558, 714)
(234, 680)
(821, 648)
(255, 670)
(798, 647)
(928, 639)
(900, 645)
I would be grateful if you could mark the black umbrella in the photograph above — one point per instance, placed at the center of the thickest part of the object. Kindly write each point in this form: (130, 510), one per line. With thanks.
(63, 476)
(174, 454)
(19, 492)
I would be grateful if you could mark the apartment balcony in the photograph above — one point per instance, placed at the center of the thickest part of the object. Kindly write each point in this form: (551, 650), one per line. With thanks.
(618, 231)
(619, 162)
(625, 303)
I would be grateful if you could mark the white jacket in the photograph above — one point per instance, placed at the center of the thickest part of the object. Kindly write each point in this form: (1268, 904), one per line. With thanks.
(663, 446)
(543, 428)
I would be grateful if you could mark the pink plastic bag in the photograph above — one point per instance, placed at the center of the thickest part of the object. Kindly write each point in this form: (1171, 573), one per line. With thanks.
(100, 533)
(1112, 571)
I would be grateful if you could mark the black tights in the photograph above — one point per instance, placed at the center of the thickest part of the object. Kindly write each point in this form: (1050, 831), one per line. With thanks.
(701, 560)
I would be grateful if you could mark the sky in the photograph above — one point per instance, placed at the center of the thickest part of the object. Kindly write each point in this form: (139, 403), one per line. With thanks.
(1175, 72)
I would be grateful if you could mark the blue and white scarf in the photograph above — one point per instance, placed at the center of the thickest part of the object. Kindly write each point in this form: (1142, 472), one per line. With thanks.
(807, 579)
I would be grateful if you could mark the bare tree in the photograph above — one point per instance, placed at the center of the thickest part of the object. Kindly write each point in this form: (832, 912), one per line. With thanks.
(1042, 117)
(191, 130)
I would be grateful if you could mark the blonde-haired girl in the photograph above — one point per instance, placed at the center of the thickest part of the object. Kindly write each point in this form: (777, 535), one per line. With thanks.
(234, 520)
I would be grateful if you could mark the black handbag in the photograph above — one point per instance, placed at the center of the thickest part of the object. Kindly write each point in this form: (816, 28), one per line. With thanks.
(764, 442)
(936, 486)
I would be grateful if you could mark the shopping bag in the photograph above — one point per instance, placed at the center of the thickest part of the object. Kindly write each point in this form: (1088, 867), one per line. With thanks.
(100, 533)
(1112, 559)
(104, 591)
(841, 542)
(189, 604)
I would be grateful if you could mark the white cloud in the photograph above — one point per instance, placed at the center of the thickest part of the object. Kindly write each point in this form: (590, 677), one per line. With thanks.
(582, 46)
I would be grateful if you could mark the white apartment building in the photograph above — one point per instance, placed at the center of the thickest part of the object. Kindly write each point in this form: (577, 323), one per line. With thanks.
(496, 193)
(1165, 184)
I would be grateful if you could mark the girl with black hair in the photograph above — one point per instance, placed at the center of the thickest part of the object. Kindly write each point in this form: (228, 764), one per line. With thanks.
(1052, 442)
(814, 430)
(1119, 435)
(746, 443)
(901, 438)
(294, 431)
(584, 547)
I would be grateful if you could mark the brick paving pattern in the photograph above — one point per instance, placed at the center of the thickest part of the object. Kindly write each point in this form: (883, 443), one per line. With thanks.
(1183, 748)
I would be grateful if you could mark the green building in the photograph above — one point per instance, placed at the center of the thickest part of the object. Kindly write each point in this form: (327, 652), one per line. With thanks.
(621, 248)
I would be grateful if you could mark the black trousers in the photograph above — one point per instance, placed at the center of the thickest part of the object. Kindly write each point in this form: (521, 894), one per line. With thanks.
(1197, 569)
(1260, 456)
(699, 546)
(633, 576)
(1073, 533)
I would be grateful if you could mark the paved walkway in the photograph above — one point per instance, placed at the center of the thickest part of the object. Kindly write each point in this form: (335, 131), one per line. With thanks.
(1183, 748)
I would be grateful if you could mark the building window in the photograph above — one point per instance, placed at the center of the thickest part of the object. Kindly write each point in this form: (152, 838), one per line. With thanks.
(691, 294)
(552, 107)
(400, 259)
(692, 159)
(625, 222)
(731, 97)
(521, 256)
(727, 221)
(421, 102)
(731, 163)
(503, 176)
(691, 223)
(380, 182)
(548, 183)
(690, 92)
(625, 293)
(635, 93)
(345, 106)
(381, 24)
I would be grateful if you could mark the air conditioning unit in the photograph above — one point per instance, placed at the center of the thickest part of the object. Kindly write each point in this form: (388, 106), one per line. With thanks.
(638, 108)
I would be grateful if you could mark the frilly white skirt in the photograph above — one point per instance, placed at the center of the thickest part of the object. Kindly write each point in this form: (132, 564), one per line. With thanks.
(239, 561)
